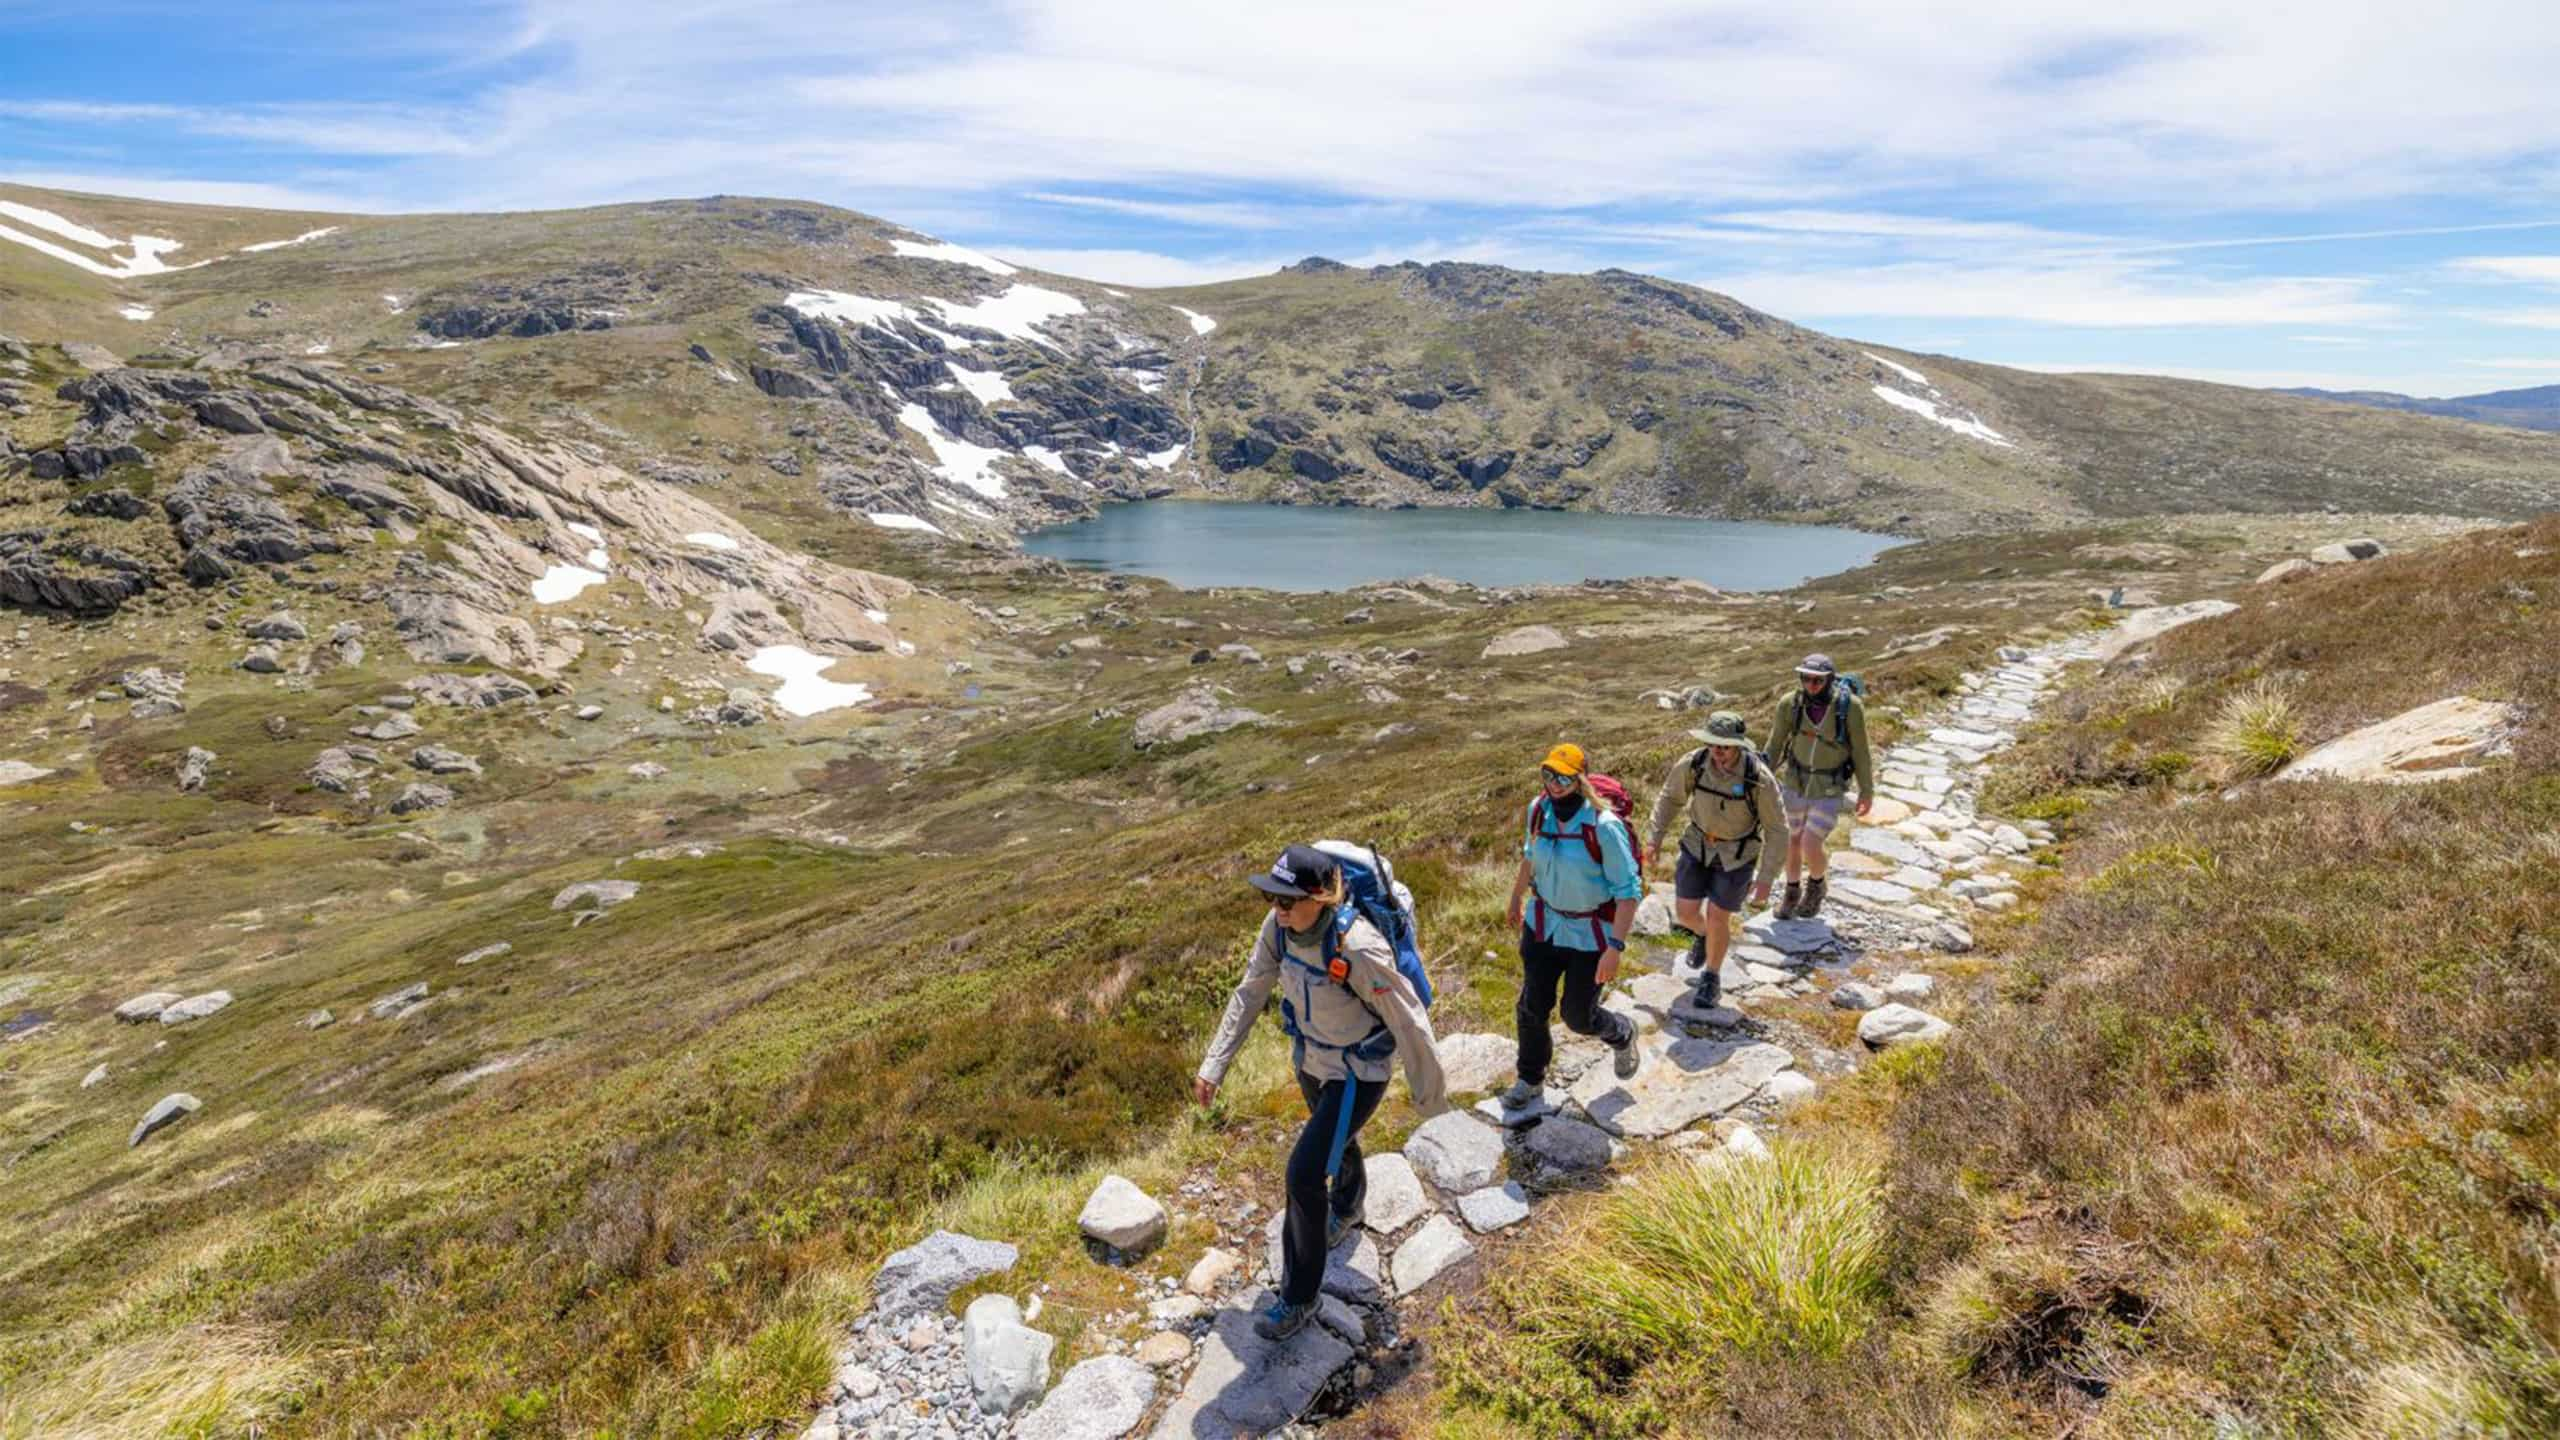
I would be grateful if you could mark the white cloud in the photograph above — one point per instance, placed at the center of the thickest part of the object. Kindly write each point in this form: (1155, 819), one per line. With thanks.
(2532, 269)
(2531, 319)
(2271, 378)
(2520, 362)
(1143, 268)
(2107, 294)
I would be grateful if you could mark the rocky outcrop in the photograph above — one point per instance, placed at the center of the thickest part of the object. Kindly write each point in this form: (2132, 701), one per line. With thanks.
(2439, 741)
(924, 1275)
(45, 571)
(226, 514)
(1197, 711)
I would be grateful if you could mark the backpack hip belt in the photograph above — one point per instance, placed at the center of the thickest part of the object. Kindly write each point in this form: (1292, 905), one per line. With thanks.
(1336, 971)
(1539, 910)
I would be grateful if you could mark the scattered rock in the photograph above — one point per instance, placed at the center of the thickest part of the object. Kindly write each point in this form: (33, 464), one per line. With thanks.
(1394, 1199)
(1683, 1081)
(1195, 712)
(2432, 742)
(645, 770)
(1210, 1270)
(1569, 1144)
(337, 770)
(193, 767)
(2346, 552)
(170, 1110)
(1527, 640)
(437, 760)
(397, 725)
(1857, 995)
(923, 1276)
(279, 626)
(1495, 1207)
(1008, 1360)
(155, 692)
(1435, 1247)
(604, 895)
(1455, 1151)
(420, 796)
(469, 692)
(1899, 1024)
(399, 1002)
(195, 1007)
(146, 1007)
(94, 1077)
(1913, 986)
(487, 952)
(1475, 1060)
(1788, 1087)
(1122, 1216)
(262, 660)
(1246, 1385)
(317, 1020)
(1100, 1399)
(2143, 626)
(2284, 570)
(1164, 1350)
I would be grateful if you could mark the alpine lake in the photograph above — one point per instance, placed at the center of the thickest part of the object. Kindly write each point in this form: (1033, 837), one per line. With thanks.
(1200, 543)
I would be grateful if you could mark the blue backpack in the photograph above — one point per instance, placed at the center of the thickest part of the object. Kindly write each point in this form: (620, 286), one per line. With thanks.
(1369, 884)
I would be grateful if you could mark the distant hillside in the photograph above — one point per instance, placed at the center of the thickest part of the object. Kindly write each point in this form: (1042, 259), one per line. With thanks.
(826, 362)
(2534, 408)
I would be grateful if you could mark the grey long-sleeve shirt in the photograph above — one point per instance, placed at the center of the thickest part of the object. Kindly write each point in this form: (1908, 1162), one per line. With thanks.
(1344, 1017)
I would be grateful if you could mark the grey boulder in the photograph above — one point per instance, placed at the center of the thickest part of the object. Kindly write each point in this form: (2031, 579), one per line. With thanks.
(195, 1007)
(924, 1275)
(170, 1110)
(1455, 1151)
(1008, 1361)
(1122, 1216)
(1100, 1399)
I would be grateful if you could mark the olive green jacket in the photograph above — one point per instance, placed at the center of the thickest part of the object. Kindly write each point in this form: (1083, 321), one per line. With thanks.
(1808, 755)
(1726, 830)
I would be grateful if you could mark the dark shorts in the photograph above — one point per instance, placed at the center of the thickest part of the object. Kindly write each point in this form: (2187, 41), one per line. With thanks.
(1718, 885)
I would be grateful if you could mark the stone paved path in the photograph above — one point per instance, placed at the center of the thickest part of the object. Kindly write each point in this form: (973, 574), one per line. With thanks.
(1906, 887)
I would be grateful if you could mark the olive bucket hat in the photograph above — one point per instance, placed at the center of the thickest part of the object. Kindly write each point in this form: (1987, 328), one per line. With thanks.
(1724, 728)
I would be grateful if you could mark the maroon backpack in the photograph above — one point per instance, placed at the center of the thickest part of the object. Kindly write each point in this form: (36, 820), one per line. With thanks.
(1613, 795)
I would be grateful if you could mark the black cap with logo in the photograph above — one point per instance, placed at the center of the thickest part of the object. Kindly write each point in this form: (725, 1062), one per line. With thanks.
(1301, 870)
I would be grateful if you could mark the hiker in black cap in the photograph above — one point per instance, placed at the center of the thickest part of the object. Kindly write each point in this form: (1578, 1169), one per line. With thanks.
(1819, 745)
(1350, 1011)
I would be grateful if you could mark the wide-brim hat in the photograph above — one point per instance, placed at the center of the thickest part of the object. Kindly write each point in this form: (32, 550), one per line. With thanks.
(1724, 728)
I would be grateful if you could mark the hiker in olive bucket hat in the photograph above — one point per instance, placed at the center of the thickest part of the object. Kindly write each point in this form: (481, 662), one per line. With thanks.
(1580, 883)
(1819, 745)
(1730, 797)
(1352, 999)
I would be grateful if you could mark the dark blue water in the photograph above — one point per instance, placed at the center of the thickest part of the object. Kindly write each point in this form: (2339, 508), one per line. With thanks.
(1196, 543)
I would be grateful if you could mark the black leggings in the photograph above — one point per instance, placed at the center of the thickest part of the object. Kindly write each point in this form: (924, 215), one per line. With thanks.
(1542, 967)
(1302, 1255)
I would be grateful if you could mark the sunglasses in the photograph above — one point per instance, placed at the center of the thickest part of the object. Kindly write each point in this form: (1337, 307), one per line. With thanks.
(1554, 780)
(1287, 902)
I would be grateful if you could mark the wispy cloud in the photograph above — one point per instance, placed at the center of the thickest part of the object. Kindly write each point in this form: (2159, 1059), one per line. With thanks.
(391, 131)
(2096, 295)
(1144, 268)
(2533, 269)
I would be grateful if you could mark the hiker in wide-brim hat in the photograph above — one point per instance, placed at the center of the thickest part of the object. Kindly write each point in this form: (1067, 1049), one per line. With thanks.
(1572, 903)
(1735, 812)
(1818, 743)
(1350, 1012)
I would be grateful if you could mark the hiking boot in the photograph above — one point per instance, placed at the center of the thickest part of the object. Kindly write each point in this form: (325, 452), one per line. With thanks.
(1788, 902)
(1698, 953)
(1710, 990)
(1338, 1228)
(1814, 889)
(1520, 1096)
(1628, 1057)
(1282, 1320)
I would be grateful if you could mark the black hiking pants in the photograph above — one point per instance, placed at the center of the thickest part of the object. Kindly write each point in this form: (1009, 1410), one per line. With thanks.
(1543, 967)
(1302, 1253)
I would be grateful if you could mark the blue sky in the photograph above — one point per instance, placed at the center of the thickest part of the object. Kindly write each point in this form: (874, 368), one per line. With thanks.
(2344, 193)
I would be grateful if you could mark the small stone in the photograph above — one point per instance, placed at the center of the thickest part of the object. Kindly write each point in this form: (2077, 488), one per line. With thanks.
(1122, 1216)
(1788, 1087)
(147, 1006)
(1476, 1060)
(590, 712)
(1899, 1024)
(1210, 1270)
(194, 767)
(1495, 1207)
(1099, 1399)
(399, 1002)
(486, 952)
(1438, 1245)
(1008, 1361)
(94, 1077)
(1913, 986)
(1394, 1199)
(170, 1110)
(1455, 1151)
(1164, 1350)
(195, 1008)
(317, 1020)
(437, 760)
(1177, 1309)
(420, 796)
(1569, 1144)
(595, 894)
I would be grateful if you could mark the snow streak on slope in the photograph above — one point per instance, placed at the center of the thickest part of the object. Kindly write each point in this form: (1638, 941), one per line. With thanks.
(1016, 313)
(1905, 371)
(145, 259)
(891, 520)
(955, 254)
(1200, 324)
(1960, 423)
(296, 240)
(957, 460)
(988, 385)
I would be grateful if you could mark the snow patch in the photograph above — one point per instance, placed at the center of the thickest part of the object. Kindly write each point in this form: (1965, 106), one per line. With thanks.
(563, 582)
(988, 385)
(805, 688)
(137, 312)
(1161, 460)
(1013, 313)
(956, 460)
(306, 235)
(147, 249)
(891, 520)
(318, 348)
(1115, 294)
(1960, 423)
(1200, 324)
(1042, 455)
(710, 540)
(585, 531)
(394, 302)
(1905, 371)
(876, 617)
(852, 309)
(954, 254)
(598, 560)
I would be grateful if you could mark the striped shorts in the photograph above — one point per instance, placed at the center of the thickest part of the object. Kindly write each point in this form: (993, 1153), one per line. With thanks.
(1807, 816)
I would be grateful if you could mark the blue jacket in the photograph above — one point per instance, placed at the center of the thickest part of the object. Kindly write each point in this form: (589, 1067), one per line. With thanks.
(1563, 875)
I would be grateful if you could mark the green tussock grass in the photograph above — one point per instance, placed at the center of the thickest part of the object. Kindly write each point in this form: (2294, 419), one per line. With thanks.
(1607, 1328)
(2254, 734)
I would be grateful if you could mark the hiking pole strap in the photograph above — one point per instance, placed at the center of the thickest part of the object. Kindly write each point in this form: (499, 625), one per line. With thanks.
(1341, 1123)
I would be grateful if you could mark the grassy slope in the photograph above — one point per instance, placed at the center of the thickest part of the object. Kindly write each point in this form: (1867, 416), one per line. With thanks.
(2254, 1127)
(756, 1075)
